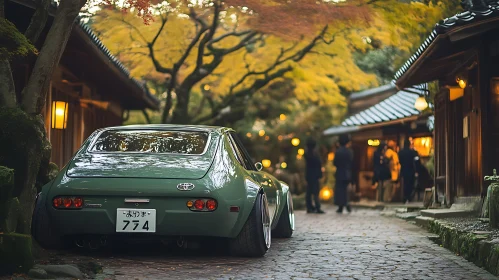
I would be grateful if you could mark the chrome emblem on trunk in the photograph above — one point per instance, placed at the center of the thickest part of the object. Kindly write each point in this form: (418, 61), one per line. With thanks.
(185, 187)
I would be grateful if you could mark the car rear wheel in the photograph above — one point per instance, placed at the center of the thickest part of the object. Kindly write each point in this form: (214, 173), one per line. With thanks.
(286, 224)
(40, 227)
(255, 237)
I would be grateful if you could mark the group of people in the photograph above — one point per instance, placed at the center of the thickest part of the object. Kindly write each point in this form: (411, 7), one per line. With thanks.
(343, 161)
(389, 167)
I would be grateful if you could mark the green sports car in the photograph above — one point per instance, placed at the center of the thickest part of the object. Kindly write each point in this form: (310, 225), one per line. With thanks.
(167, 182)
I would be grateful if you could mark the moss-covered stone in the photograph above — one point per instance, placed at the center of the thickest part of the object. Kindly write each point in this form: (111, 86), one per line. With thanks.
(9, 224)
(24, 148)
(15, 253)
(6, 187)
(494, 205)
(491, 264)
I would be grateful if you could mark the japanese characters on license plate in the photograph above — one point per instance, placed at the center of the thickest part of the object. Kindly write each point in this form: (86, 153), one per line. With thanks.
(135, 220)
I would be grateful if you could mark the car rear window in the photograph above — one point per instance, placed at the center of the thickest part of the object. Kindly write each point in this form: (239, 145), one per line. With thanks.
(151, 141)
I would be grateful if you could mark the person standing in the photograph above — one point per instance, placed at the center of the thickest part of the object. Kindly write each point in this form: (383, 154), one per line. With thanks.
(313, 172)
(382, 174)
(408, 160)
(343, 161)
(394, 165)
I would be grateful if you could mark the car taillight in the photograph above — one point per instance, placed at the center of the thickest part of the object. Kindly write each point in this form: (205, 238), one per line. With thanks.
(202, 205)
(57, 202)
(67, 202)
(211, 204)
(199, 204)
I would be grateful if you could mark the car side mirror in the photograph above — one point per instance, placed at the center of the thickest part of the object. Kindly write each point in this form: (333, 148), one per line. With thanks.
(259, 166)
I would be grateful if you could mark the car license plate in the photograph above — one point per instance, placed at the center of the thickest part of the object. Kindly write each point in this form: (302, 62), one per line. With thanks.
(135, 220)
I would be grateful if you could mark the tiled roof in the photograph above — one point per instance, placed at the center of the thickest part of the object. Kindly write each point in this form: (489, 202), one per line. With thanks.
(372, 91)
(474, 13)
(88, 31)
(396, 107)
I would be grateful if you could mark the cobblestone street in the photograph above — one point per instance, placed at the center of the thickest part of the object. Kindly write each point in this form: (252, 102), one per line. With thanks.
(360, 245)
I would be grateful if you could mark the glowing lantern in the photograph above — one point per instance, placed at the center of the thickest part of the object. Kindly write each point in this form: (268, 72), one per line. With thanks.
(295, 142)
(301, 152)
(261, 132)
(284, 165)
(325, 194)
(59, 114)
(282, 117)
(421, 103)
(266, 163)
(373, 142)
(248, 135)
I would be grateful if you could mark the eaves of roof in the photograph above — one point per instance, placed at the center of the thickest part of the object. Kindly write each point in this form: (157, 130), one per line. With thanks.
(473, 15)
(151, 100)
(373, 91)
(398, 108)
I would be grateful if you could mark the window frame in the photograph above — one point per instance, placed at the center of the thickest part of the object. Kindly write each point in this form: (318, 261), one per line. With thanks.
(94, 142)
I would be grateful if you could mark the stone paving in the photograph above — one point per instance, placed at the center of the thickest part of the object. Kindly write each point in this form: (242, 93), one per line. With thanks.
(359, 245)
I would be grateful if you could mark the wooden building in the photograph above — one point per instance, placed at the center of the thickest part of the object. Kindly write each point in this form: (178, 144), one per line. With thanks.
(462, 55)
(382, 114)
(89, 90)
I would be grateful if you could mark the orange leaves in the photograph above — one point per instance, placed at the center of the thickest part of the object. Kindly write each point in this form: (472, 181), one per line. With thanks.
(296, 18)
(141, 8)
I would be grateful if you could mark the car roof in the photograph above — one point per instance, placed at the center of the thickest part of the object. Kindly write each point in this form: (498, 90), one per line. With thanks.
(178, 127)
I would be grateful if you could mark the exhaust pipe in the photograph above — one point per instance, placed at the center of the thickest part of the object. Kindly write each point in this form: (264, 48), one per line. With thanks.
(93, 244)
(181, 243)
(103, 241)
(80, 243)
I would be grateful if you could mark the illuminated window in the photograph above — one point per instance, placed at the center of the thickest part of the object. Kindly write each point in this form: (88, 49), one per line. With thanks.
(423, 145)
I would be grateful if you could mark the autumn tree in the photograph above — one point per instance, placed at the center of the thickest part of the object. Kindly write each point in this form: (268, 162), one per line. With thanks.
(200, 44)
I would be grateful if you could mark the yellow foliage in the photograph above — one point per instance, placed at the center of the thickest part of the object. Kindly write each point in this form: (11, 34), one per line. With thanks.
(320, 77)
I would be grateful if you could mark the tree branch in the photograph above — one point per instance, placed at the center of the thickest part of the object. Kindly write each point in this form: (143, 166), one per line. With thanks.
(35, 92)
(208, 36)
(269, 74)
(229, 34)
(38, 21)
(150, 45)
(146, 116)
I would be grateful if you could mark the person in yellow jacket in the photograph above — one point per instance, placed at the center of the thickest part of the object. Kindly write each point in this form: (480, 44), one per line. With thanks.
(394, 163)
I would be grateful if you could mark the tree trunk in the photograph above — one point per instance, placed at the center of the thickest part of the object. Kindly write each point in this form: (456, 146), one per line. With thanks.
(168, 106)
(35, 92)
(38, 21)
(7, 90)
(180, 114)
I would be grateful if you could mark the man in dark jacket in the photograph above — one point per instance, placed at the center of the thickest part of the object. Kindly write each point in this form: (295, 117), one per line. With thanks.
(343, 161)
(313, 173)
(408, 160)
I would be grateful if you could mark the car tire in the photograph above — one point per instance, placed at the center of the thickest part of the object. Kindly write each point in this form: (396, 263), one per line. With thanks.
(254, 238)
(286, 224)
(40, 227)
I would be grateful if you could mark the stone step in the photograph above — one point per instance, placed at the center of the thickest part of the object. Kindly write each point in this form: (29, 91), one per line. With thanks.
(423, 221)
(446, 213)
(408, 215)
